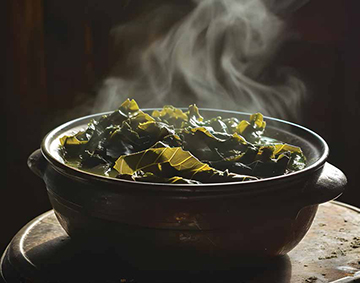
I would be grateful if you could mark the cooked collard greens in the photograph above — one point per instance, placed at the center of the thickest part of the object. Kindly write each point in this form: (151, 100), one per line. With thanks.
(173, 146)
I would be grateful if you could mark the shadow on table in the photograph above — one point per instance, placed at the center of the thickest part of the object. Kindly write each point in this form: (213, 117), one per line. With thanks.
(61, 259)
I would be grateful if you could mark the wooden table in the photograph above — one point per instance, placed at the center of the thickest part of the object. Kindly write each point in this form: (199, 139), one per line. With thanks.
(330, 252)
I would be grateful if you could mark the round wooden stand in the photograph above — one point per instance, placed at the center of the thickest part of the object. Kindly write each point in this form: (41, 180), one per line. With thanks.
(330, 252)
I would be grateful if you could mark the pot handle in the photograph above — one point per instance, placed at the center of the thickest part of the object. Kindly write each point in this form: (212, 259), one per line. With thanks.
(330, 185)
(37, 163)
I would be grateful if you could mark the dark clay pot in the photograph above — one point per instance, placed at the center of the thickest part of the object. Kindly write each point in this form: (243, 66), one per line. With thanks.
(191, 226)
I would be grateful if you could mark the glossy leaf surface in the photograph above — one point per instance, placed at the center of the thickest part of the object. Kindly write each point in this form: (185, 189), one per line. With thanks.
(175, 146)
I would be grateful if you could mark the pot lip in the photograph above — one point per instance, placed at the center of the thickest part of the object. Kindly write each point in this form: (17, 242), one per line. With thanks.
(212, 187)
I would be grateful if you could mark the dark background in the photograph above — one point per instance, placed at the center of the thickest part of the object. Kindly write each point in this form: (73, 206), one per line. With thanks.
(57, 52)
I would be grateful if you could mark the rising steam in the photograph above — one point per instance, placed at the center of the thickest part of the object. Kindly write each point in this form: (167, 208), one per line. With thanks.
(218, 55)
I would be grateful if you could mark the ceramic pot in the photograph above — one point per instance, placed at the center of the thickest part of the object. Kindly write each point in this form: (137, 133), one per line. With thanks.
(182, 226)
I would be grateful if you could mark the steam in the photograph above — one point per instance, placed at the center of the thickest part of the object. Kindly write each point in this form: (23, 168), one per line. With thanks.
(219, 55)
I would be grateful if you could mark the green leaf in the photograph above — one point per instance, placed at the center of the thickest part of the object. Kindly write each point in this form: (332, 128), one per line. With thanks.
(279, 148)
(195, 119)
(257, 121)
(71, 140)
(208, 147)
(129, 107)
(157, 130)
(169, 112)
(171, 115)
(252, 130)
(167, 159)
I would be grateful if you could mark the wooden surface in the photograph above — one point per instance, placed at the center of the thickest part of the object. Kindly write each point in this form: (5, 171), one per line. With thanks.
(331, 249)
(330, 252)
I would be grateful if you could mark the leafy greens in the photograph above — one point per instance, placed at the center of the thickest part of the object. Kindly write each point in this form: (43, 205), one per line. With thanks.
(173, 146)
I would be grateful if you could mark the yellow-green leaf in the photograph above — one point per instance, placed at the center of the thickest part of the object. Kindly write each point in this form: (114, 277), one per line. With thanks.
(168, 112)
(241, 127)
(129, 106)
(279, 148)
(257, 120)
(177, 158)
(71, 140)
(183, 162)
(193, 113)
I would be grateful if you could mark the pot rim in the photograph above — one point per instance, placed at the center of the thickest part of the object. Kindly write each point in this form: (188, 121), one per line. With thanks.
(73, 172)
